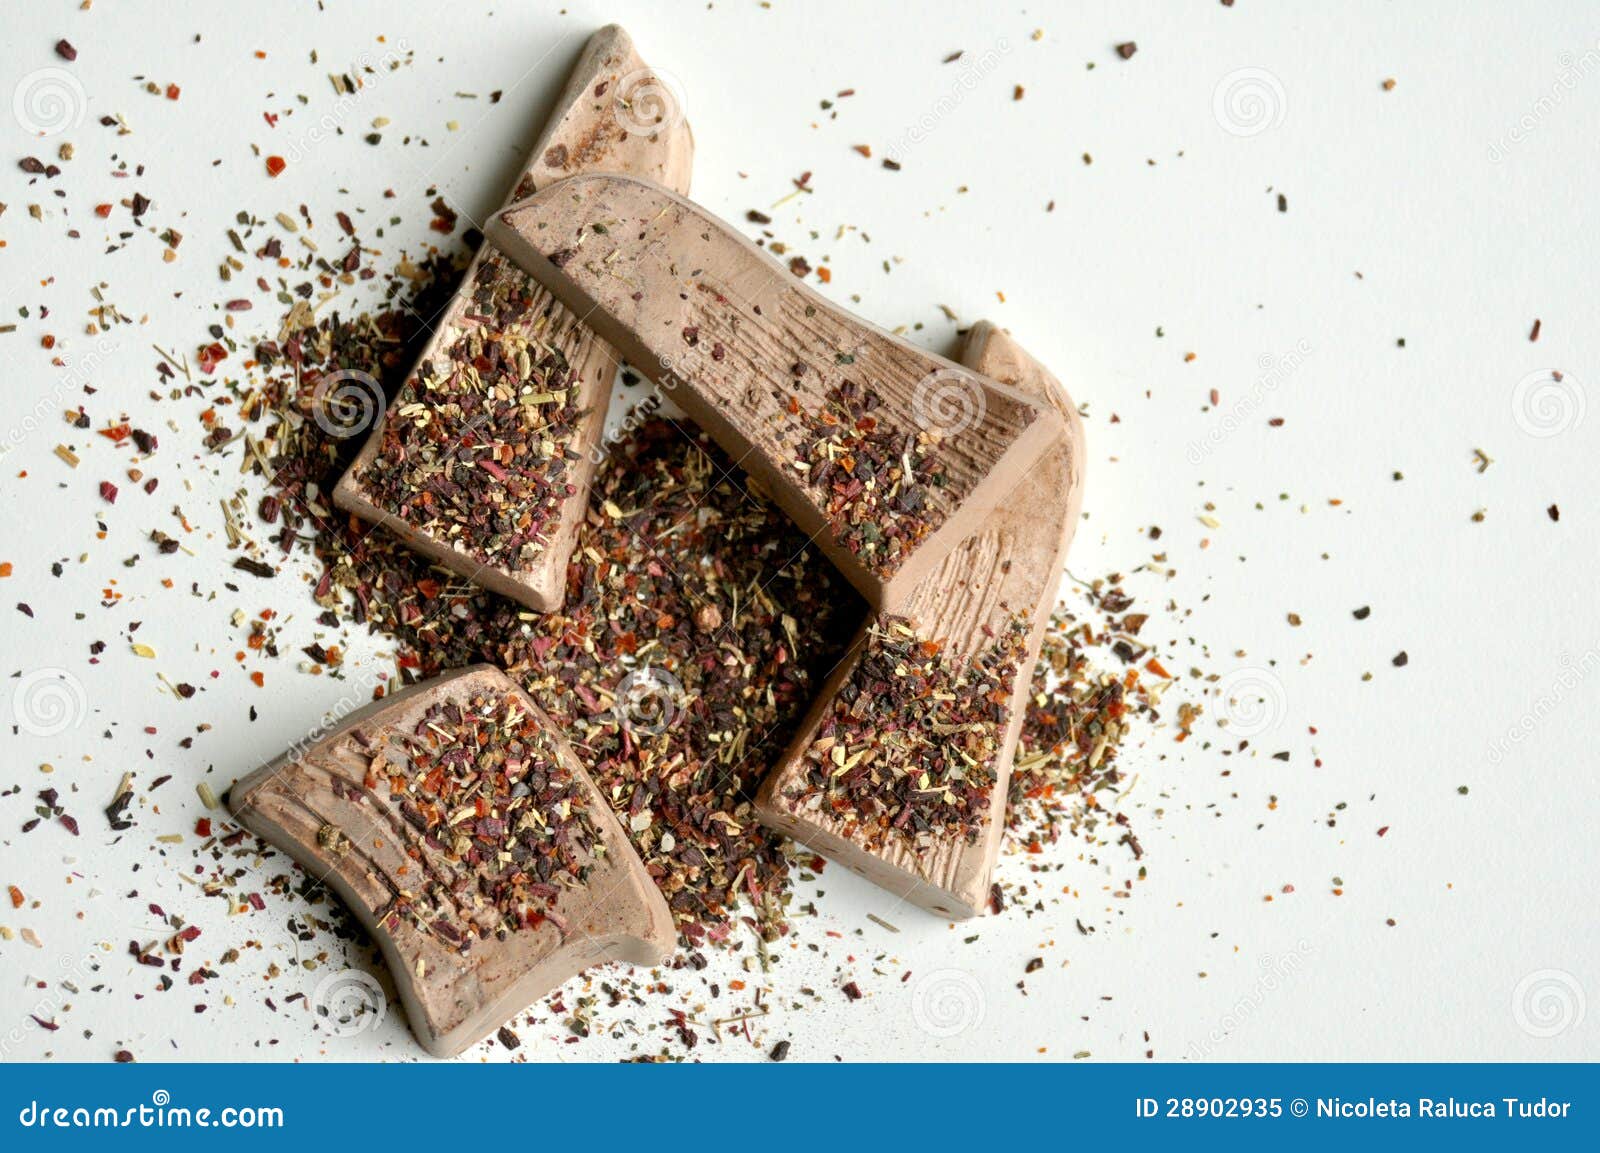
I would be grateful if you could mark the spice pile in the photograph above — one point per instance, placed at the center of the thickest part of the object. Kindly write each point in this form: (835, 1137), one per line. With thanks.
(476, 451)
(910, 747)
(682, 584)
(481, 783)
(875, 479)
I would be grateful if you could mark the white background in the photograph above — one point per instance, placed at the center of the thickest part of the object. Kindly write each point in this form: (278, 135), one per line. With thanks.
(1449, 212)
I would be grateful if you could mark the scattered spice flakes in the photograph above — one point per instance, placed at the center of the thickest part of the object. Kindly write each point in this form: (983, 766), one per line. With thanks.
(1553, 512)
(910, 748)
(1078, 717)
(1127, 49)
(1401, 660)
(66, 51)
(478, 449)
(1533, 335)
(878, 484)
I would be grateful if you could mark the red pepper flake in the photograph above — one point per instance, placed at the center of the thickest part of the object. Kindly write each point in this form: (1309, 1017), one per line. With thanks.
(258, 679)
(102, 210)
(173, 91)
(5, 568)
(210, 356)
(202, 827)
(1383, 830)
(16, 896)
(108, 491)
(276, 165)
(66, 51)
(1127, 50)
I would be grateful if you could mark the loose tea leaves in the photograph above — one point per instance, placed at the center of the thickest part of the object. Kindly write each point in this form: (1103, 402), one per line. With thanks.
(910, 750)
(874, 478)
(498, 822)
(476, 452)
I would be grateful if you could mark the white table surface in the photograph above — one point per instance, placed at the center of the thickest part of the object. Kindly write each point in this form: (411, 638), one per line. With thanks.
(1450, 212)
